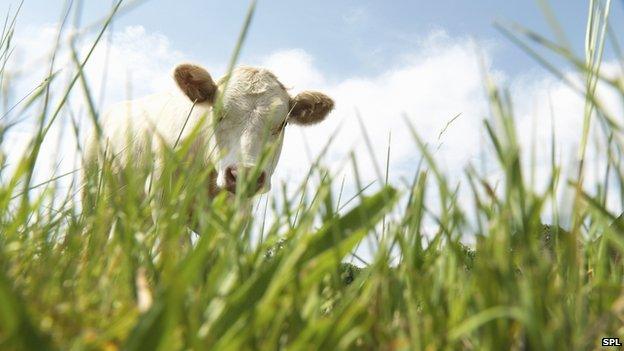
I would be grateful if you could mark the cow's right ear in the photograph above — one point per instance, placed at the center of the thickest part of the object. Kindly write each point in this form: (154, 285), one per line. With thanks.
(196, 83)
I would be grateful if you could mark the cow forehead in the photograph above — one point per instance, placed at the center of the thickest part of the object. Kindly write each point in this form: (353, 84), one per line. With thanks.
(251, 80)
(251, 92)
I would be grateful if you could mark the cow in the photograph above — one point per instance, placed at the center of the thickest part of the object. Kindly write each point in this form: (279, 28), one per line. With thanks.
(231, 120)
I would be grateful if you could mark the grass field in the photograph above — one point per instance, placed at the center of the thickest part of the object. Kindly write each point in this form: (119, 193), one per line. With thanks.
(113, 277)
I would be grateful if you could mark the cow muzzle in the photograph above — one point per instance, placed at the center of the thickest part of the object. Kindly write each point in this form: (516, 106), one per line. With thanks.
(236, 174)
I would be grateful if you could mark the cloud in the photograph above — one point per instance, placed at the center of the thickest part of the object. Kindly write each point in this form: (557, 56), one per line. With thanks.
(295, 68)
(356, 15)
(427, 89)
(130, 63)
(441, 79)
(545, 105)
(136, 58)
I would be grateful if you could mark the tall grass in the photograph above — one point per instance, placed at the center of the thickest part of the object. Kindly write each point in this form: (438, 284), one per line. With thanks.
(113, 276)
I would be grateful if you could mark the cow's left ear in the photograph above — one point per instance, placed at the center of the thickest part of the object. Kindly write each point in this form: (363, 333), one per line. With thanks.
(196, 83)
(309, 107)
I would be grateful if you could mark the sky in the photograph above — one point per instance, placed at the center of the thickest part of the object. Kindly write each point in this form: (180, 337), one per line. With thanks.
(382, 62)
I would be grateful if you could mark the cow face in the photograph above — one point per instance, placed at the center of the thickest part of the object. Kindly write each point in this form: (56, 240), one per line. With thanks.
(250, 109)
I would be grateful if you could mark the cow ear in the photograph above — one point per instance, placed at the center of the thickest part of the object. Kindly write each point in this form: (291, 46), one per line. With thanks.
(309, 107)
(196, 83)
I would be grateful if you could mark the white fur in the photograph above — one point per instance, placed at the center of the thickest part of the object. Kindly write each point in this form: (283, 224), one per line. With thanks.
(255, 104)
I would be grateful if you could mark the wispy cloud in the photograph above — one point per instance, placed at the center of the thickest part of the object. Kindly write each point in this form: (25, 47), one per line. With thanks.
(356, 15)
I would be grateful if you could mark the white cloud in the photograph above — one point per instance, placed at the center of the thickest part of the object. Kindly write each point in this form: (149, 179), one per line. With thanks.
(428, 88)
(133, 63)
(131, 55)
(356, 15)
(542, 103)
(134, 60)
(295, 69)
(440, 80)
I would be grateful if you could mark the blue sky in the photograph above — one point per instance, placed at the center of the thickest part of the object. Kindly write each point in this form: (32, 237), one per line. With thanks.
(346, 38)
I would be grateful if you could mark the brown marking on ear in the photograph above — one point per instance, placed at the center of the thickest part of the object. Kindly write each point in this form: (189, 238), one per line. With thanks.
(195, 82)
(309, 107)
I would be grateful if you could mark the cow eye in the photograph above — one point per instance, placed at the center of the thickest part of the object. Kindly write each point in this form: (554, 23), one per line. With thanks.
(279, 129)
(221, 116)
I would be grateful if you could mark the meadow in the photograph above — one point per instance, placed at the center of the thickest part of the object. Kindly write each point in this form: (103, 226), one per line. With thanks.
(113, 276)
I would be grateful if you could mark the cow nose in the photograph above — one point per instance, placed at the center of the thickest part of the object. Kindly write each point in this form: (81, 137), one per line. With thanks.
(231, 177)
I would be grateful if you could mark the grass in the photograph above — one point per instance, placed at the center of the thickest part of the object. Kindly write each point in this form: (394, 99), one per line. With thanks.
(112, 276)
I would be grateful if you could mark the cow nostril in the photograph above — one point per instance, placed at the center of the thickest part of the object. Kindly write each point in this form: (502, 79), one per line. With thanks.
(231, 178)
(261, 180)
(230, 175)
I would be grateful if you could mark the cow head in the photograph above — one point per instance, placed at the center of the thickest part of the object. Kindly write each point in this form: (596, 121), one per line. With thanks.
(250, 110)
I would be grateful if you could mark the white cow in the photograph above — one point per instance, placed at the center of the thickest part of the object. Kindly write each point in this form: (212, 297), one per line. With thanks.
(255, 110)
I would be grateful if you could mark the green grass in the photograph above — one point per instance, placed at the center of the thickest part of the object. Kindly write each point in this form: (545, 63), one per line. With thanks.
(113, 277)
